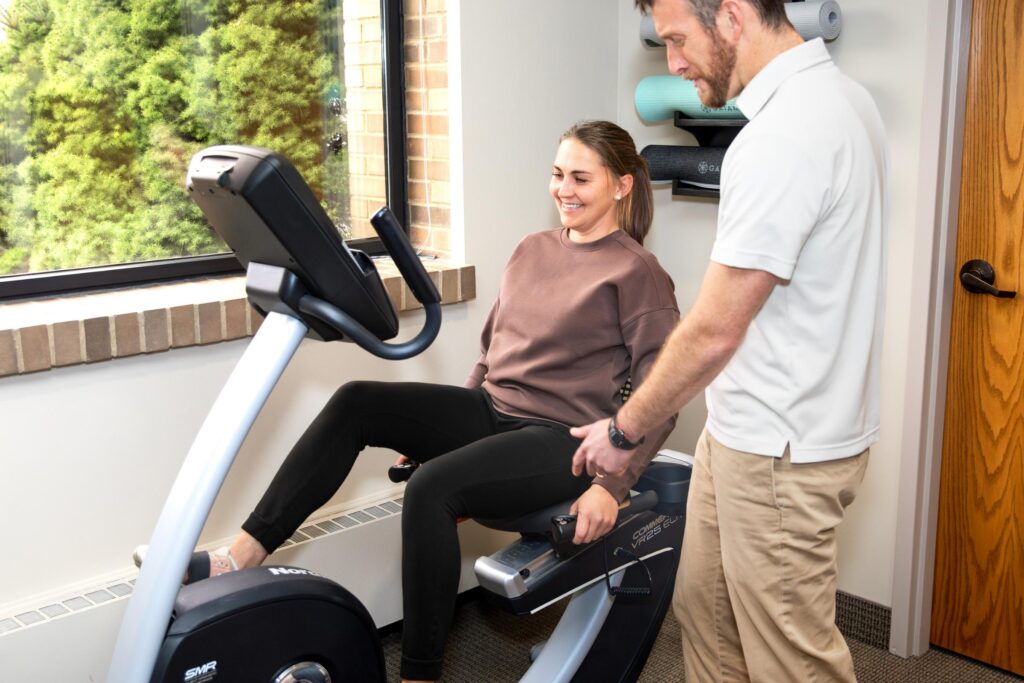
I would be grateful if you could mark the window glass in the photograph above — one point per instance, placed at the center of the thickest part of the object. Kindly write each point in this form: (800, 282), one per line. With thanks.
(103, 103)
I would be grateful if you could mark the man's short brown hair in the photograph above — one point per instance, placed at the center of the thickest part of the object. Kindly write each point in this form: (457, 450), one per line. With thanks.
(772, 12)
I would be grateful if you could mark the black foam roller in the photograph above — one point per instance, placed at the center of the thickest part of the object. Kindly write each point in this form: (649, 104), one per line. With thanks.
(700, 166)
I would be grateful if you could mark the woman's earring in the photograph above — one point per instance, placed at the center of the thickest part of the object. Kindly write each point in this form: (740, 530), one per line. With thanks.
(618, 197)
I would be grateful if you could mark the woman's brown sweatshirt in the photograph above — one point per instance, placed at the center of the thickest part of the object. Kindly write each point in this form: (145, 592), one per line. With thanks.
(571, 323)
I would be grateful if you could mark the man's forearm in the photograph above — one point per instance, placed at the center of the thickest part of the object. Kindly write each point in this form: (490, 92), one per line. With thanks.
(700, 346)
(690, 359)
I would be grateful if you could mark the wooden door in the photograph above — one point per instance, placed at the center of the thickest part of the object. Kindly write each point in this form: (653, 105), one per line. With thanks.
(978, 603)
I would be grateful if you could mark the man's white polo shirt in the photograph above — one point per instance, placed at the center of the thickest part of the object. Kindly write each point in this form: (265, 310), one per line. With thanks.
(804, 197)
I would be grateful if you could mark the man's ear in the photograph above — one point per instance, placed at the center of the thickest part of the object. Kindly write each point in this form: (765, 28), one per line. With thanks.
(731, 18)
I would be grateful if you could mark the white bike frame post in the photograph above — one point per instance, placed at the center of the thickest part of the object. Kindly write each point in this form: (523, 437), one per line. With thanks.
(192, 495)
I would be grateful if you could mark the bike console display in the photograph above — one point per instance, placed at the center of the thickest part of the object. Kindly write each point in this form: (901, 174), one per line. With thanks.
(262, 208)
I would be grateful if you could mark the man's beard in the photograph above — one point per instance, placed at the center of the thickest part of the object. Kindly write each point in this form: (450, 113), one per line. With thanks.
(723, 61)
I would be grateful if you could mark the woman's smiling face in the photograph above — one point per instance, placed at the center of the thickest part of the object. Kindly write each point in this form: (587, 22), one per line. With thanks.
(585, 191)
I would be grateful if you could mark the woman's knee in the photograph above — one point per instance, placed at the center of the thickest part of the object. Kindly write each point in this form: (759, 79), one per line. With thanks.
(352, 396)
(417, 494)
(428, 496)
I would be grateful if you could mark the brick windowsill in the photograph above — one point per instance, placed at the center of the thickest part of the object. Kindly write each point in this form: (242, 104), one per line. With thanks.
(87, 328)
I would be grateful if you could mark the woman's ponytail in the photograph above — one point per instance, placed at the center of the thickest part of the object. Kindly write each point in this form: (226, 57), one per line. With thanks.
(636, 210)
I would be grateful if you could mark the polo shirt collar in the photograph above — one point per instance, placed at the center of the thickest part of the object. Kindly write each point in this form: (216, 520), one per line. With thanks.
(764, 84)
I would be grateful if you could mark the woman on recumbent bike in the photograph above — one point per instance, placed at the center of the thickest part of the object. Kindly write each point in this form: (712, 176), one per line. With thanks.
(581, 309)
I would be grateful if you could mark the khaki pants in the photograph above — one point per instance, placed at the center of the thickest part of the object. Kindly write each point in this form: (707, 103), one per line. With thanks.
(756, 588)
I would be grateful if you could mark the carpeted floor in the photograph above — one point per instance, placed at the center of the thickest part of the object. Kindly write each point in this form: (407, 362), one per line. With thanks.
(488, 645)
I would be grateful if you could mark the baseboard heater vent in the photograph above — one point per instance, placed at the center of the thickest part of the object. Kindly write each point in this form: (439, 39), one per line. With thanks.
(121, 587)
(332, 525)
(69, 605)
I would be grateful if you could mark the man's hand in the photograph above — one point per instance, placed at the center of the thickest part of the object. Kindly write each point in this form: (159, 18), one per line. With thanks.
(596, 455)
(596, 511)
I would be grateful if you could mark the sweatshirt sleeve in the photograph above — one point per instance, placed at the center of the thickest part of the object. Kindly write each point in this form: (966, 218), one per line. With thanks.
(644, 336)
(479, 370)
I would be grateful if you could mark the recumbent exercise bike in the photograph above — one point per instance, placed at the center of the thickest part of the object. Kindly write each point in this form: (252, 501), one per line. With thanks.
(287, 625)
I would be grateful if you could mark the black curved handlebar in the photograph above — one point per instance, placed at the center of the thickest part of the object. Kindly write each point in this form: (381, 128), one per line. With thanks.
(409, 265)
(415, 275)
(337, 318)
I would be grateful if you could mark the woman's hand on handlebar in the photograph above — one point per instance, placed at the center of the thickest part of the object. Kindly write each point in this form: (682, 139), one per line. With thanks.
(402, 469)
(596, 511)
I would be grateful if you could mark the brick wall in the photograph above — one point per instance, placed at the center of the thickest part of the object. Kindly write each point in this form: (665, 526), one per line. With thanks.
(426, 80)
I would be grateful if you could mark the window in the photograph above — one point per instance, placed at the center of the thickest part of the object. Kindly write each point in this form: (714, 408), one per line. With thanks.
(103, 103)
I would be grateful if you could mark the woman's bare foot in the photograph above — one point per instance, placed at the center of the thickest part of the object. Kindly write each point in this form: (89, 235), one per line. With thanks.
(245, 552)
(220, 563)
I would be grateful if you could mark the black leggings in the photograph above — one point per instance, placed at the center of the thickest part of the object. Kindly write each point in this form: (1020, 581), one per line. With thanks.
(475, 462)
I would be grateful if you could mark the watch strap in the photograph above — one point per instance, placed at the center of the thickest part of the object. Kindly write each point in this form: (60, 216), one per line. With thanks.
(618, 437)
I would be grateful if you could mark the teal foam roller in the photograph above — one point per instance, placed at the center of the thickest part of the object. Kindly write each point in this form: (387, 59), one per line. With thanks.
(657, 98)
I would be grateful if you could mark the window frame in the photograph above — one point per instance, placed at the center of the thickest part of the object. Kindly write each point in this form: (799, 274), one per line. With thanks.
(73, 280)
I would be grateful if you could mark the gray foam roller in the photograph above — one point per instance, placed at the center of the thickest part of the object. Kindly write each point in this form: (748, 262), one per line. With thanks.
(811, 19)
(647, 33)
(816, 18)
(701, 166)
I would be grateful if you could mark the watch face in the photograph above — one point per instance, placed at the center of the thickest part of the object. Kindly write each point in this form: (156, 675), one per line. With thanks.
(618, 437)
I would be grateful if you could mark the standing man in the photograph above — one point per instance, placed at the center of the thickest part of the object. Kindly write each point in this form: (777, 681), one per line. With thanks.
(785, 335)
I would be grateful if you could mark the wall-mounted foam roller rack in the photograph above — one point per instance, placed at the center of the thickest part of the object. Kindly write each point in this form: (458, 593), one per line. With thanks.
(709, 133)
(681, 188)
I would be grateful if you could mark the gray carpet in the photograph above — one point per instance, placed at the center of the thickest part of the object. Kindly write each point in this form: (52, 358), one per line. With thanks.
(490, 646)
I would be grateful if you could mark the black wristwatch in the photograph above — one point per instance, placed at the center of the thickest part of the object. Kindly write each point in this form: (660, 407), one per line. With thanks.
(618, 437)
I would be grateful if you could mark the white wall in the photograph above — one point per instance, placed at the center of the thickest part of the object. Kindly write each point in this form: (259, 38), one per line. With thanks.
(91, 451)
(529, 71)
(882, 45)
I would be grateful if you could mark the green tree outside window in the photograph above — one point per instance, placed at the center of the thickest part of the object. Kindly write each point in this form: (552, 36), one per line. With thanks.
(103, 102)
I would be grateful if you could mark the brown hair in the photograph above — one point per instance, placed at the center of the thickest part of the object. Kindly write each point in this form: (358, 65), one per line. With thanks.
(772, 12)
(617, 150)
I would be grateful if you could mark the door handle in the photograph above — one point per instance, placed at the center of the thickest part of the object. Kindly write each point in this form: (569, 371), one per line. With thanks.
(978, 276)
